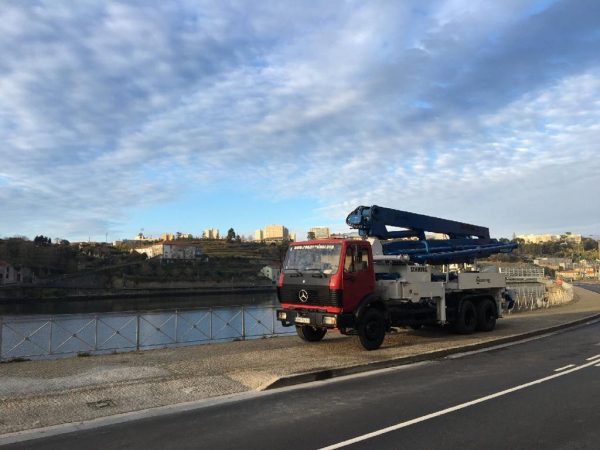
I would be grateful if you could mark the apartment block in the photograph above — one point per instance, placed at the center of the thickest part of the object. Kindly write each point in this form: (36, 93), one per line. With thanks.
(320, 232)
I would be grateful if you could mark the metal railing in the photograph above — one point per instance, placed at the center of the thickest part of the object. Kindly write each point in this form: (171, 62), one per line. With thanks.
(40, 337)
(522, 273)
(539, 296)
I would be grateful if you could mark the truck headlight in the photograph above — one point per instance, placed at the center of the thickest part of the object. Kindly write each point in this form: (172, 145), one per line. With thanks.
(281, 315)
(329, 320)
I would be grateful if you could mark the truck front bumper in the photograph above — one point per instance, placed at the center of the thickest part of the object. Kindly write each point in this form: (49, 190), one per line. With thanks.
(289, 317)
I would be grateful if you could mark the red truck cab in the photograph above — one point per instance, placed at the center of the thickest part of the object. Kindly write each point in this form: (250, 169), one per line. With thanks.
(323, 283)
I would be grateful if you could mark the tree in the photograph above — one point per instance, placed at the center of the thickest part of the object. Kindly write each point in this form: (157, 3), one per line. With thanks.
(42, 241)
(230, 235)
(310, 235)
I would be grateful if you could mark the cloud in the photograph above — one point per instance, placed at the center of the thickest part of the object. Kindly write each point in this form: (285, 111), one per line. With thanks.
(485, 113)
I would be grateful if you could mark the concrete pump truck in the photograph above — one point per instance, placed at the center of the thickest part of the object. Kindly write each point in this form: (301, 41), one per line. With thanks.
(391, 278)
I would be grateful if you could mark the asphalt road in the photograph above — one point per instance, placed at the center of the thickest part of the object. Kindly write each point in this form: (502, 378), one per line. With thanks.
(544, 393)
(589, 287)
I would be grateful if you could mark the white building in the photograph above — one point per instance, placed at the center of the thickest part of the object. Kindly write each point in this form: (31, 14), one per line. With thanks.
(270, 272)
(211, 233)
(10, 274)
(173, 250)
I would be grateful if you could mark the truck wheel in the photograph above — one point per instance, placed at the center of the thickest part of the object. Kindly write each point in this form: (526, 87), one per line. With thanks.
(310, 334)
(371, 329)
(466, 321)
(486, 315)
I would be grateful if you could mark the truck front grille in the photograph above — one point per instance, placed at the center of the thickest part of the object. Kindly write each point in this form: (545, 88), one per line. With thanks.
(317, 295)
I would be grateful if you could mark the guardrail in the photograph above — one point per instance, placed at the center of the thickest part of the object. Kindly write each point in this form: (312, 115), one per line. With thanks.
(539, 296)
(41, 337)
(523, 273)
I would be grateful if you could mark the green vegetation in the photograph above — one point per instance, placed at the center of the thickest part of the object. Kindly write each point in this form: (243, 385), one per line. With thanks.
(587, 249)
(229, 262)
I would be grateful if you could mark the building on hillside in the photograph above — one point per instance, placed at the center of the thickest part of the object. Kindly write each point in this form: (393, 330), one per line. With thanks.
(211, 233)
(293, 237)
(10, 274)
(173, 251)
(437, 236)
(6, 273)
(276, 232)
(540, 238)
(320, 232)
(270, 272)
(141, 237)
(570, 237)
(554, 263)
(272, 233)
(167, 237)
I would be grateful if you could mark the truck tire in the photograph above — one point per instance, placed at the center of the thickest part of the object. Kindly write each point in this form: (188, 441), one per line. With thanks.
(310, 334)
(371, 329)
(486, 315)
(466, 319)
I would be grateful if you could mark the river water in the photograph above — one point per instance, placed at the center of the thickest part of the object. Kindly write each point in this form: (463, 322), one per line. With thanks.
(71, 305)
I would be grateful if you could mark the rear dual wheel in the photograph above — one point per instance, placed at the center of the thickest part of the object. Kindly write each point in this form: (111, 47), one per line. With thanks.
(481, 316)
(486, 315)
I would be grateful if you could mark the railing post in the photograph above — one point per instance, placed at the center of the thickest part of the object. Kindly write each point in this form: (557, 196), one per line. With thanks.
(176, 325)
(51, 320)
(96, 333)
(243, 323)
(137, 331)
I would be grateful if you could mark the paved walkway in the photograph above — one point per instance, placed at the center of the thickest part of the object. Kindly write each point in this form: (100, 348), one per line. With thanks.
(41, 393)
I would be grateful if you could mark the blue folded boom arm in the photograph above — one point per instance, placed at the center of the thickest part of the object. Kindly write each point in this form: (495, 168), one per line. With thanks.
(466, 242)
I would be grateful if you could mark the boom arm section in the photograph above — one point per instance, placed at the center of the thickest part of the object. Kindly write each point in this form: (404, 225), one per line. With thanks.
(466, 241)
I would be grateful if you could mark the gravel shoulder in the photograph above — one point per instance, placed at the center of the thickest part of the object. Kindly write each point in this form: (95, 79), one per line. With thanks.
(37, 394)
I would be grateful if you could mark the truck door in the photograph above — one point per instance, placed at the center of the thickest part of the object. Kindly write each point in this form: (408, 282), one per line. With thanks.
(359, 278)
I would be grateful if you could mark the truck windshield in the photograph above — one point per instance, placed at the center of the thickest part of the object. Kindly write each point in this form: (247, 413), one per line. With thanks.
(324, 258)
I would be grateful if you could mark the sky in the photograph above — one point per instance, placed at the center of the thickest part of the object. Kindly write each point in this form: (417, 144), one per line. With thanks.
(117, 117)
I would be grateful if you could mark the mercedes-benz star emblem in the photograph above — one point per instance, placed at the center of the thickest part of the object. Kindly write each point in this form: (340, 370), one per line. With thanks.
(303, 296)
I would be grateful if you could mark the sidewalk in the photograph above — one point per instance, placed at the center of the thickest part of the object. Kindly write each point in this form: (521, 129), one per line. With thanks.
(41, 393)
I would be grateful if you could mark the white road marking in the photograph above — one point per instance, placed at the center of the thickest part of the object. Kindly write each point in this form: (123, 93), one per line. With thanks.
(564, 367)
(593, 357)
(408, 423)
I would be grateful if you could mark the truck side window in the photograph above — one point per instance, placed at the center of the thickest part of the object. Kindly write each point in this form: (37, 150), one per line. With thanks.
(349, 261)
(362, 259)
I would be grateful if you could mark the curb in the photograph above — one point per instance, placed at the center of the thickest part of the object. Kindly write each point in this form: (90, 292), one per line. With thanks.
(301, 378)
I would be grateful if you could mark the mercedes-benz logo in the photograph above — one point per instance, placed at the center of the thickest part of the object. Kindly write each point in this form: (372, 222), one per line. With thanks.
(303, 295)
